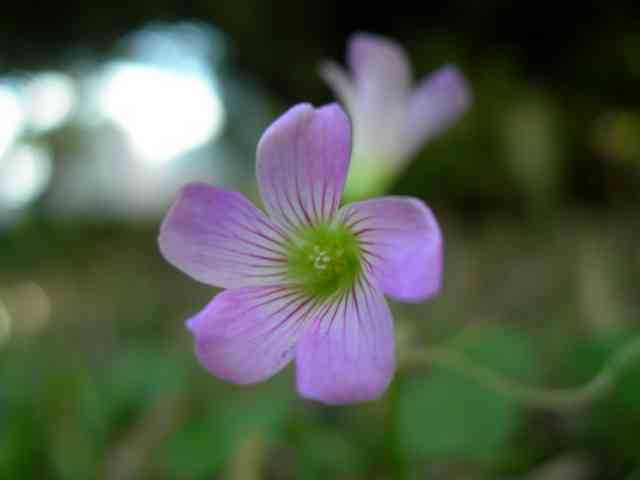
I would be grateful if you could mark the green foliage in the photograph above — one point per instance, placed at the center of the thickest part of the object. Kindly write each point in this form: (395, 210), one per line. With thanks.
(444, 414)
(208, 437)
(616, 417)
(553, 134)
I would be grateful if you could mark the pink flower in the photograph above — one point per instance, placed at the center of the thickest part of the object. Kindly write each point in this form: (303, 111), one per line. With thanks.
(391, 119)
(307, 281)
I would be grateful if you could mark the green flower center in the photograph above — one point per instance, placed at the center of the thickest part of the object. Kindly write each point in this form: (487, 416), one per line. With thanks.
(324, 259)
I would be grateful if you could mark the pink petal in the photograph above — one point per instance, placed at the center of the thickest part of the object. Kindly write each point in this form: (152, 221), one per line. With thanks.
(347, 355)
(341, 83)
(380, 66)
(302, 163)
(402, 245)
(220, 238)
(378, 106)
(436, 103)
(247, 335)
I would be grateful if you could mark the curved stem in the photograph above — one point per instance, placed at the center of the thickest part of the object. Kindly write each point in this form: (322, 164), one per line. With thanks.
(532, 397)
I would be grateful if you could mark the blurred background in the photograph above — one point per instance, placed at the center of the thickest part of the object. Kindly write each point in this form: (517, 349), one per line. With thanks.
(106, 109)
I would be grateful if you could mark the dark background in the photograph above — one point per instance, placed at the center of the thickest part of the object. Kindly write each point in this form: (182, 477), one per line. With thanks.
(537, 190)
(585, 60)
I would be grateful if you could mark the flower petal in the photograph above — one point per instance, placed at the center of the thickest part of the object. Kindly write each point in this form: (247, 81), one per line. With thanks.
(436, 103)
(302, 162)
(341, 83)
(247, 335)
(380, 66)
(382, 88)
(347, 354)
(220, 238)
(402, 245)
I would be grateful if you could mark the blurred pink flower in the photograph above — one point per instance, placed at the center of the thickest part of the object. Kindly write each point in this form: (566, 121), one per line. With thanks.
(308, 281)
(391, 118)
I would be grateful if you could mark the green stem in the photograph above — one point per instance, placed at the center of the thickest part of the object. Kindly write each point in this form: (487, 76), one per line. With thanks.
(396, 460)
(532, 397)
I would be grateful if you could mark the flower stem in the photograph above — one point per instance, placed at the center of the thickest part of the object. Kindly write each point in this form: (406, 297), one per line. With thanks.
(532, 397)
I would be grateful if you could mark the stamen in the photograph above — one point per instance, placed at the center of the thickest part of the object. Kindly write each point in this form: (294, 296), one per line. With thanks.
(324, 259)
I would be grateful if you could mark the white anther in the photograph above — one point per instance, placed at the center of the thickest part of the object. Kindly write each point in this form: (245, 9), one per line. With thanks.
(319, 266)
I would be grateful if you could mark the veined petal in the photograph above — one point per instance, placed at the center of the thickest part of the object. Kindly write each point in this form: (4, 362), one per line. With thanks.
(347, 354)
(401, 244)
(220, 238)
(436, 103)
(247, 335)
(302, 162)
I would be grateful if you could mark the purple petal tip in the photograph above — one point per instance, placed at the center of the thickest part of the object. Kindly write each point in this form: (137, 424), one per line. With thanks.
(191, 324)
(450, 79)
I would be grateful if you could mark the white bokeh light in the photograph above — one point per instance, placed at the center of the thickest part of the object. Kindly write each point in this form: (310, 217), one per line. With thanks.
(50, 98)
(25, 173)
(11, 117)
(164, 113)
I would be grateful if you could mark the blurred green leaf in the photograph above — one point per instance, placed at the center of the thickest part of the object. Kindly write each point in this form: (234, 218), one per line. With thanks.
(614, 420)
(208, 439)
(140, 374)
(325, 451)
(445, 414)
(591, 354)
